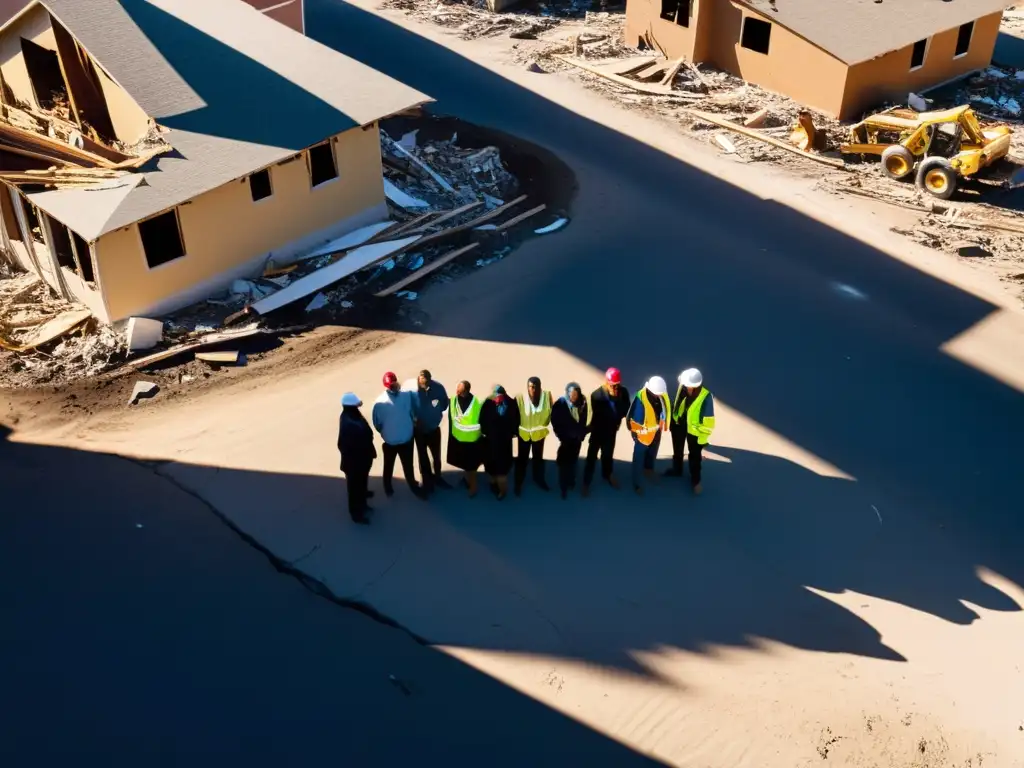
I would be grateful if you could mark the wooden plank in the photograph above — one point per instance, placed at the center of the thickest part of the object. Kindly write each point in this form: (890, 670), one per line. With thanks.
(716, 120)
(424, 271)
(30, 154)
(461, 227)
(521, 217)
(411, 225)
(673, 71)
(218, 357)
(653, 90)
(53, 147)
(457, 212)
(630, 66)
(653, 69)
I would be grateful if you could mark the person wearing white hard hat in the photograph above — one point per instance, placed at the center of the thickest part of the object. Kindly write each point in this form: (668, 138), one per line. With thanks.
(355, 443)
(648, 418)
(693, 421)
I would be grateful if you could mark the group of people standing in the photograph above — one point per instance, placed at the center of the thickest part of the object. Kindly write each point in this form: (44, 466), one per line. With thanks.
(484, 432)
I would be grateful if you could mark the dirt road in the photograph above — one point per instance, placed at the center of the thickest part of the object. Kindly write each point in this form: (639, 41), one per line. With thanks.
(847, 589)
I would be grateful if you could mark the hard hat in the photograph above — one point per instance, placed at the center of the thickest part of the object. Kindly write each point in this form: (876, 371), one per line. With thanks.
(691, 377)
(351, 398)
(390, 379)
(613, 376)
(657, 385)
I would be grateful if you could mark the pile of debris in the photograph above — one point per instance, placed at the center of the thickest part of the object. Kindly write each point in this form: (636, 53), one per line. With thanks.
(44, 149)
(440, 174)
(994, 93)
(472, 18)
(44, 340)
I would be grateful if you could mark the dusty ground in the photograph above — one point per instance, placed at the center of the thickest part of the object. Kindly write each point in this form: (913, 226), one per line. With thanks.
(832, 599)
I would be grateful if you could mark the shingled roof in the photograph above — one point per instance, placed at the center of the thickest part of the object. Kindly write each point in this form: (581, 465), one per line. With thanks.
(855, 31)
(238, 91)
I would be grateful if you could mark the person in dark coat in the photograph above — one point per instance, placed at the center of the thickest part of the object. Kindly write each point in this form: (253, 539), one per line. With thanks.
(465, 443)
(609, 406)
(355, 443)
(499, 421)
(570, 419)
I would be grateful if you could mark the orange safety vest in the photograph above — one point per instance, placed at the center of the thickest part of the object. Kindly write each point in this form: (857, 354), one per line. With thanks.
(645, 432)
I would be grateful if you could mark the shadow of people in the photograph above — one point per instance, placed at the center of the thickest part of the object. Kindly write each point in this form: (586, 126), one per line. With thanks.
(145, 632)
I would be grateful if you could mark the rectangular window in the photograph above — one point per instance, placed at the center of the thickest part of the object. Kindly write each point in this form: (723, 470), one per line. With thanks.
(756, 35)
(161, 239)
(84, 257)
(963, 39)
(917, 55)
(61, 244)
(677, 11)
(259, 185)
(321, 164)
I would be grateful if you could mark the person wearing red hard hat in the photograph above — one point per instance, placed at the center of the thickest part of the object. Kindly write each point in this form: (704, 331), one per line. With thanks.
(609, 406)
(394, 417)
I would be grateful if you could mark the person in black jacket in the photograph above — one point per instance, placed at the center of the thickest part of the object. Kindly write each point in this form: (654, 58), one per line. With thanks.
(355, 443)
(570, 421)
(609, 406)
(499, 422)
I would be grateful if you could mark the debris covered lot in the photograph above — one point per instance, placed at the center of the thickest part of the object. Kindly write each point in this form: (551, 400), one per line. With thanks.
(751, 125)
(459, 197)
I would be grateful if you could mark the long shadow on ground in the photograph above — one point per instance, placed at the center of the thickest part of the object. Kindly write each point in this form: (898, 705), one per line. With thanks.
(665, 266)
(140, 631)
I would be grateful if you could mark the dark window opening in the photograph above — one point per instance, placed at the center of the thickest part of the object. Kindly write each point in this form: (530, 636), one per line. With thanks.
(756, 34)
(60, 242)
(677, 11)
(47, 80)
(161, 239)
(84, 257)
(10, 217)
(963, 38)
(259, 185)
(917, 55)
(34, 227)
(321, 164)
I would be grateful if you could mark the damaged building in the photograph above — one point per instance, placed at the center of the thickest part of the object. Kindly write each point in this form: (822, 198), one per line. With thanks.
(152, 151)
(837, 56)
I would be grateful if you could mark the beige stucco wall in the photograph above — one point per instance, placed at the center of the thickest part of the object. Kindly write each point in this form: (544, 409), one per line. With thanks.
(793, 66)
(227, 235)
(34, 26)
(644, 22)
(889, 76)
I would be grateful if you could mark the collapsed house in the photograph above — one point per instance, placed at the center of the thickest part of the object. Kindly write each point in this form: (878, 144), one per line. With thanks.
(153, 151)
(837, 56)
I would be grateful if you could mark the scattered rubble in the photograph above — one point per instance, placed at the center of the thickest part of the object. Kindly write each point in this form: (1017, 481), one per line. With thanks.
(446, 201)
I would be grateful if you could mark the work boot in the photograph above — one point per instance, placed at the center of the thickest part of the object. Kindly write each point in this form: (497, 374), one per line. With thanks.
(613, 481)
(442, 483)
(543, 485)
(565, 493)
(650, 475)
(585, 491)
(389, 492)
(502, 485)
(360, 519)
(369, 494)
(470, 482)
(698, 489)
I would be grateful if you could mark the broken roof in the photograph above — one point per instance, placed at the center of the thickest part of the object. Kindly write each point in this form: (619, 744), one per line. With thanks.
(855, 31)
(238, 91)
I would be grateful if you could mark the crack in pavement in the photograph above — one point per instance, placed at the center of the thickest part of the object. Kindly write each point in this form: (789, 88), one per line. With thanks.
(317, 587)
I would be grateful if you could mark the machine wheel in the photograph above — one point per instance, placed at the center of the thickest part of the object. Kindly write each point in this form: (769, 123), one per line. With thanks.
(936, 178)
(897, 162)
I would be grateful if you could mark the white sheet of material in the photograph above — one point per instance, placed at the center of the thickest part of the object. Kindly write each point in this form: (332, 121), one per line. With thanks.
(351, 240)
(358, 259)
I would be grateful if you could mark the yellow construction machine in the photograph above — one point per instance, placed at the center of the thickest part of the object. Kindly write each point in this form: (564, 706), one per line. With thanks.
(941, 146)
